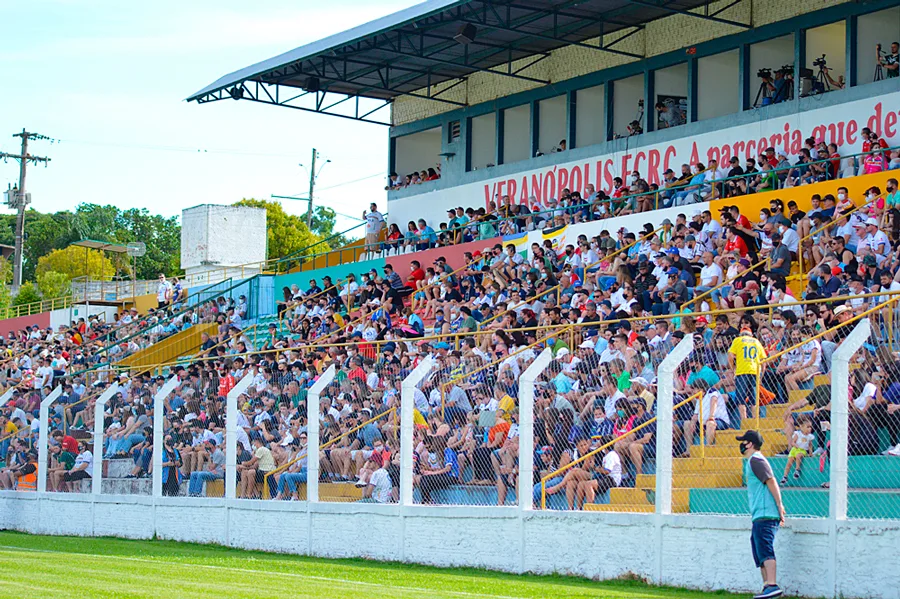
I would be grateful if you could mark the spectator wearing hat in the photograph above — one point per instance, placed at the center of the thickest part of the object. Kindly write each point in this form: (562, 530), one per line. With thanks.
(766, 510)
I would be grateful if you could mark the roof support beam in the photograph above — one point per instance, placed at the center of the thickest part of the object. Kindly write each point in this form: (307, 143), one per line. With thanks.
(688, 13)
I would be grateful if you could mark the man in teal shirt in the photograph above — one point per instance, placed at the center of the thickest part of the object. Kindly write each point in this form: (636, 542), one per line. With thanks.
(766, 510)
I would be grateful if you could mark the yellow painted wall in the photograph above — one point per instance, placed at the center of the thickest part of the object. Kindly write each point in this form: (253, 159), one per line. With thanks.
(750, 205)
(168, 349)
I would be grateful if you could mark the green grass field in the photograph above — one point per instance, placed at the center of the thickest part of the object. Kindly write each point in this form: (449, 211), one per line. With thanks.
(78, 568)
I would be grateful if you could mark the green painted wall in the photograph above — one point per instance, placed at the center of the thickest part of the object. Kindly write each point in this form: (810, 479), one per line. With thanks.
(301, 279)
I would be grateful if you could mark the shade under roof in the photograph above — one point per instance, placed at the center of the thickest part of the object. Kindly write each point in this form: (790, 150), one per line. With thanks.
(409, 52)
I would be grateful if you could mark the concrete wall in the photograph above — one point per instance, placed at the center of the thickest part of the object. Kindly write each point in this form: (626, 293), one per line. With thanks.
(817, 558)
(222, 236)
(301, 279)
(516, 134)
(664, 35)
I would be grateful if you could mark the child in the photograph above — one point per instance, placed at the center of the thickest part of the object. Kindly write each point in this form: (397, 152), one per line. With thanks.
(801, 447)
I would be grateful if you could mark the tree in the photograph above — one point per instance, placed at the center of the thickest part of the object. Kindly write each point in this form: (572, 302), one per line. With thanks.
(28, 294)
(76, 262)
(323, 223)
(286, 233)
(53, 284)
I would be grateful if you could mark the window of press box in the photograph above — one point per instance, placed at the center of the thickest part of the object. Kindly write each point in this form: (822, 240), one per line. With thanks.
(875, 32)
(516, 134)
(670, 101)
(552, 125)
(718, 85)
(418, 152)
(772, 71)
(483, 135)
(825, 58)
(628, 106)
(589, 111)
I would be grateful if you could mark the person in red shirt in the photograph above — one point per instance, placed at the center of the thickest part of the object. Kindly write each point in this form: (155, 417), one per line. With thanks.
(735, 243)
(416, 274)
(226, 382)
(771, 158)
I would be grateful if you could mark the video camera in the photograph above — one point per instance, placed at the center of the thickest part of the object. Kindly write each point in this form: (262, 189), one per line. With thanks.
(786, 70)
(764, 73)
(819, 62)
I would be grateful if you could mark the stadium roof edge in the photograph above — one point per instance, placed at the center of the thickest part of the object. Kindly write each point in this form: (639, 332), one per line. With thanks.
(383, 24)
(428, 49)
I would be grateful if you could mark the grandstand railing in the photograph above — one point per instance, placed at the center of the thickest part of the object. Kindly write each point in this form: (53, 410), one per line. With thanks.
(569, 211)
(603, 447)
(47, 305)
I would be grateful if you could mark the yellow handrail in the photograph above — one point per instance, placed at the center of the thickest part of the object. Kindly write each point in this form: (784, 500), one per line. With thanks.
(775, 356)
(724, 283)
(829, 225)
(325, 445)
(594, 452)
(454, 379)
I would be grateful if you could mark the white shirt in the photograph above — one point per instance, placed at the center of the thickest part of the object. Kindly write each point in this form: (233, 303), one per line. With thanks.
(868, 394)
(85, 458)
(162, 291)
(807, 351)
(708, 272)
(374, 222)
(713, 229)
(613, 465)
(790, 238)
(877, 240)
(382, 486)
(721, 412)
(802, 441)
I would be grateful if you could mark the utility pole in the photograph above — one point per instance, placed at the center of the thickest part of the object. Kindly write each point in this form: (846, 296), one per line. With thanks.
(18, 199)
(312, 187)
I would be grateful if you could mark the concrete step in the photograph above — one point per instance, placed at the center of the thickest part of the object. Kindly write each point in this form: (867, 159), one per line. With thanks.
(118, 468)
(627, 497)
(706, 480)
(770, 422)
(733, 463)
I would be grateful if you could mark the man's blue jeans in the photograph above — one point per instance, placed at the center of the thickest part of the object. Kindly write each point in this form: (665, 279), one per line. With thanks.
(195, 487)
(291, 480)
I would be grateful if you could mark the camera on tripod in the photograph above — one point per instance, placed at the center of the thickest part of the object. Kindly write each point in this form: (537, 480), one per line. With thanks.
(764, 73)
(820, 62)
(786, 70)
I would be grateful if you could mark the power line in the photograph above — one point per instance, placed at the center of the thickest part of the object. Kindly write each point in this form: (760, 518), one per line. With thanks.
(19, 199)
(182, 149)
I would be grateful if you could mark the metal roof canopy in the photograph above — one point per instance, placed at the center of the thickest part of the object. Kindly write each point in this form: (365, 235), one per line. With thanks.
(411, 51)
(100, 245)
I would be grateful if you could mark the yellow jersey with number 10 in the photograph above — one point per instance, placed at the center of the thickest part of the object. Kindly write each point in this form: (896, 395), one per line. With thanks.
(748, 352)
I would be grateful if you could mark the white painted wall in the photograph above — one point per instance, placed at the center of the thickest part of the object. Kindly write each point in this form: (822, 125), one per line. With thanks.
(64, 317)
(551, 123)
(700, 552)
(516, 134)
(718, 91)
(213, 235)
(417, 152)
(484, 140)
(672, 80)
(626, 94)
(589, 110)
(878, 27)
(829, 40)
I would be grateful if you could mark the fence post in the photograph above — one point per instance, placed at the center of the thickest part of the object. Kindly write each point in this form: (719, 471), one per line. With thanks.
(526, 428)
(231, 413)
(158, 419)
(407, 410)
(665, 400)
(44, 437)
(312, 433)
(97, 477)
(840, 383)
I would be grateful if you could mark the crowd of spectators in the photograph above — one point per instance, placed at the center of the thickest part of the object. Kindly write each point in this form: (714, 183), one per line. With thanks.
(610, 308)
(770, 170)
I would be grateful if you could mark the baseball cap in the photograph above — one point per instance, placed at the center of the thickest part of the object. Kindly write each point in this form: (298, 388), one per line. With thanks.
(587, 344)
(871, 221)
(441, 345)
(672, 271)
(869, 261)
(752, 437)
(666, 221)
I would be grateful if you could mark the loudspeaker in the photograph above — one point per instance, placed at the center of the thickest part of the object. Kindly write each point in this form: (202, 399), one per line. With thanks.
(312, 84)
(466, 34)
(236, 92)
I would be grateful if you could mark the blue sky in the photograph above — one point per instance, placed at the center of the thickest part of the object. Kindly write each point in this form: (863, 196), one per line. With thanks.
(108, 80)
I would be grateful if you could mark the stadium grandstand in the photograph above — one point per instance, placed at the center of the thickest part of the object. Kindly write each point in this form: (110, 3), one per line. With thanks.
(616, 235)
